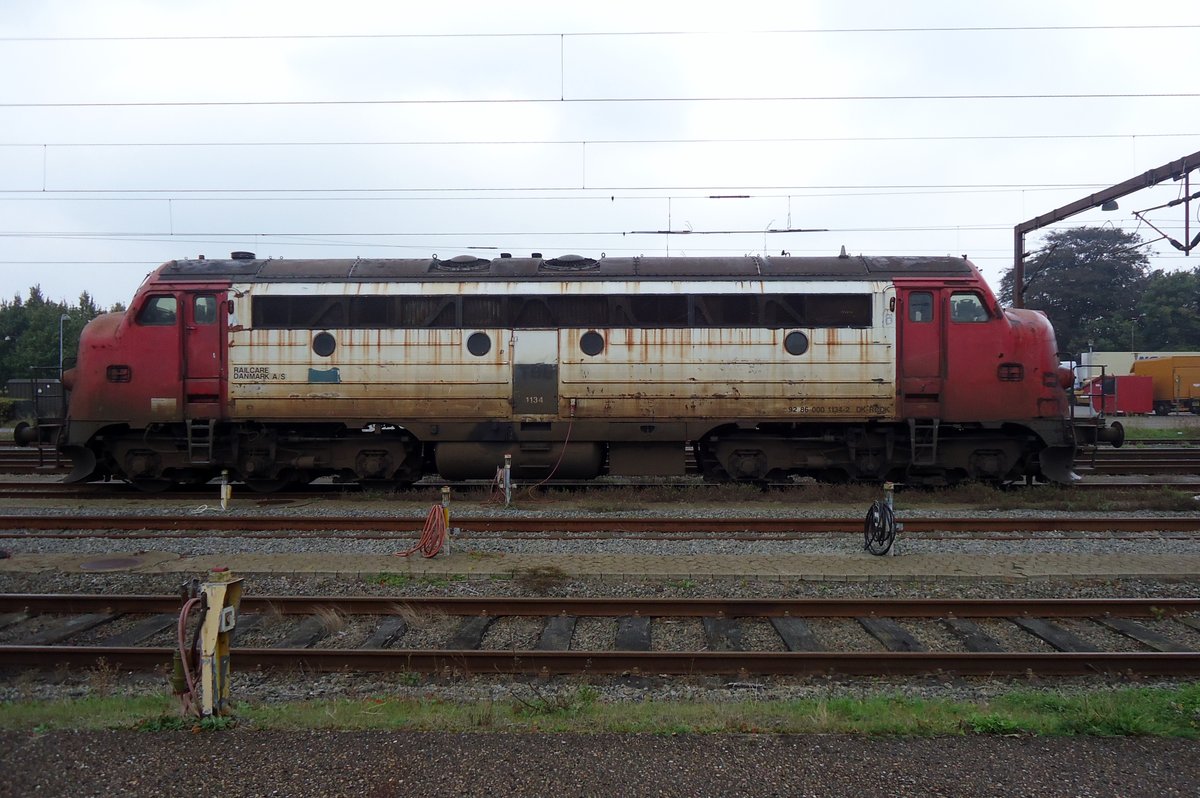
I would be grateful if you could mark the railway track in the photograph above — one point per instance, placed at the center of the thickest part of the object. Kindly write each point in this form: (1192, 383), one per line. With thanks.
(1140, 460)
(1157, 637)
(119, 490)
(1179, 457)
(92, 526)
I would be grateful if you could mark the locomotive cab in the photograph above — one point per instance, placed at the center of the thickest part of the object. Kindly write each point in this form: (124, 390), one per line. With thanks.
(158, 365)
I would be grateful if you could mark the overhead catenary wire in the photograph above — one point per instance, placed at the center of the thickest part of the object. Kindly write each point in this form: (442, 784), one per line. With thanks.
(595, 34)
(614, 141)
(156, 235)
(598, 100)
(550, 189)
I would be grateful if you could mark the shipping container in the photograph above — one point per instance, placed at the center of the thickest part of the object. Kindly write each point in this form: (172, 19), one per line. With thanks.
(1176, 382)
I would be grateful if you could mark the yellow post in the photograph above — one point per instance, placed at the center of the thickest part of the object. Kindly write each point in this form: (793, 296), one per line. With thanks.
(222, 595)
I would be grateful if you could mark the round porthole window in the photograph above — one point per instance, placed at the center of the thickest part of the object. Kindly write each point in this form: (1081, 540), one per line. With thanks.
(592, 343)
(323, 344)
(796, 343)
(479, 344)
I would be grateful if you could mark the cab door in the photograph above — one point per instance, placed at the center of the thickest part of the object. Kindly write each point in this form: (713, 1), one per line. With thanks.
(921, 364)
(981, 386)
(203, 353)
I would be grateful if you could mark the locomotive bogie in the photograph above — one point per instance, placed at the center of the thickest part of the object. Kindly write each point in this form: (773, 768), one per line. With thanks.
(260, 455)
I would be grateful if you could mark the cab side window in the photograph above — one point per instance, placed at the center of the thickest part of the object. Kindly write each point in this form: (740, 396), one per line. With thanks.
(158, 311)
(204, 309)
(920, 306)
(967, 308)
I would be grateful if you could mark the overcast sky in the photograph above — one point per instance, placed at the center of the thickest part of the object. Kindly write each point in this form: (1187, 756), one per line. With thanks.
(132, 133)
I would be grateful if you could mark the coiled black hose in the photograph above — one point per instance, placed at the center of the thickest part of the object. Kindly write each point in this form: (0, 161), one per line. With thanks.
(879, 528)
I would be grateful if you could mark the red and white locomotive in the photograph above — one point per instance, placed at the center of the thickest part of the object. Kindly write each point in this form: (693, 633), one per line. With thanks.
(282, 371)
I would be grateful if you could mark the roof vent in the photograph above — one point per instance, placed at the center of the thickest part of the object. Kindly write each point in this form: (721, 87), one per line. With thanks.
(241, 255)
(460, 263)
(570, 263)
(506, 254)
(843, 254)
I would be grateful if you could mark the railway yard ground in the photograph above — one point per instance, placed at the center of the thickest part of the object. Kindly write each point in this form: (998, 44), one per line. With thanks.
(741, 641)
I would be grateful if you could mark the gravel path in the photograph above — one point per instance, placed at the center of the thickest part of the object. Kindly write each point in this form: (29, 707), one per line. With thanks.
(385, 764)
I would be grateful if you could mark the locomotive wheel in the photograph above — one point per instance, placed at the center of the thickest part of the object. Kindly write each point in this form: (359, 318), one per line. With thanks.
(152, 485)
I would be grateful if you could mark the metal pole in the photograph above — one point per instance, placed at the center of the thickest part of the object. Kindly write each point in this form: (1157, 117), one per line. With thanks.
(61, 319)
(888, 494)
(446, 515)
(507, 480)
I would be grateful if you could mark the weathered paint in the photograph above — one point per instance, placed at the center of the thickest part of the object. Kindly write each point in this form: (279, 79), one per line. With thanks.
(655, 385)
(641, 373)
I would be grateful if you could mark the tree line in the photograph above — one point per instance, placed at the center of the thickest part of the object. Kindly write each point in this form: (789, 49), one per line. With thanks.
(29, 333)
(1096, 286)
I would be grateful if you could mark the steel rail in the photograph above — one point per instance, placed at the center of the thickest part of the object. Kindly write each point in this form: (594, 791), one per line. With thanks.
(622, 606)
(591, 525)
(699, 536)
(102, 491)
(629, 662)
(113, 490)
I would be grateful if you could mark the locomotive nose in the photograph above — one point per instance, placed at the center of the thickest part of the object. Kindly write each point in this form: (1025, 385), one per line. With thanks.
(68, 379)
(1066, 377)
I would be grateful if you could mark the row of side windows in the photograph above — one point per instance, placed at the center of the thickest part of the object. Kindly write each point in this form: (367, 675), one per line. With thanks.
(542, 311)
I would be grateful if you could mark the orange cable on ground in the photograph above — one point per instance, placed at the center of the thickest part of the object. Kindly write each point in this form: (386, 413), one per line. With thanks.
(433, 536)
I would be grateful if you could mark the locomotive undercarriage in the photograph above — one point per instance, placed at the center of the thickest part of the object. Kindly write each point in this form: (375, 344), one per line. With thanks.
(264, 458)
(269, 458)
(935, 455)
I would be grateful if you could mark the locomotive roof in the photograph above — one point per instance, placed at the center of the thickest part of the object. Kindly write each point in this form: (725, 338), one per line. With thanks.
(565, 267)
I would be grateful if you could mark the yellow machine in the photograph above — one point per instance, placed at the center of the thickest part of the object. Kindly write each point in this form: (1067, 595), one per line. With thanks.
(1176, 382)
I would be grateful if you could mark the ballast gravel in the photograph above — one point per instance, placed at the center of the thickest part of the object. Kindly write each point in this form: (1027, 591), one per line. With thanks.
(391, 764)
(432, 630)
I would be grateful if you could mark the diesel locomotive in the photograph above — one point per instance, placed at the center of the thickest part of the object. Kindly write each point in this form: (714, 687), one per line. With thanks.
(748, 368)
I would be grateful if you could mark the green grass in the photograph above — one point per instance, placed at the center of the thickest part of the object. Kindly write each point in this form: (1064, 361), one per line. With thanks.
(977, 496)
(392, 580)
(1149, 712)
(1156, 434)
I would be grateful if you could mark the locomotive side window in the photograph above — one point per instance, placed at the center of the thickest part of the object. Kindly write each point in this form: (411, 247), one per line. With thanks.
(581, 311)
(553, 311)
(204, 309)
(659, 310)
(786, 310)
(158, 311)
(920, 306)
(837, 310)
(534, 312)
(725, 310)
(418, 312)
(483, 311)
(967, 308)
